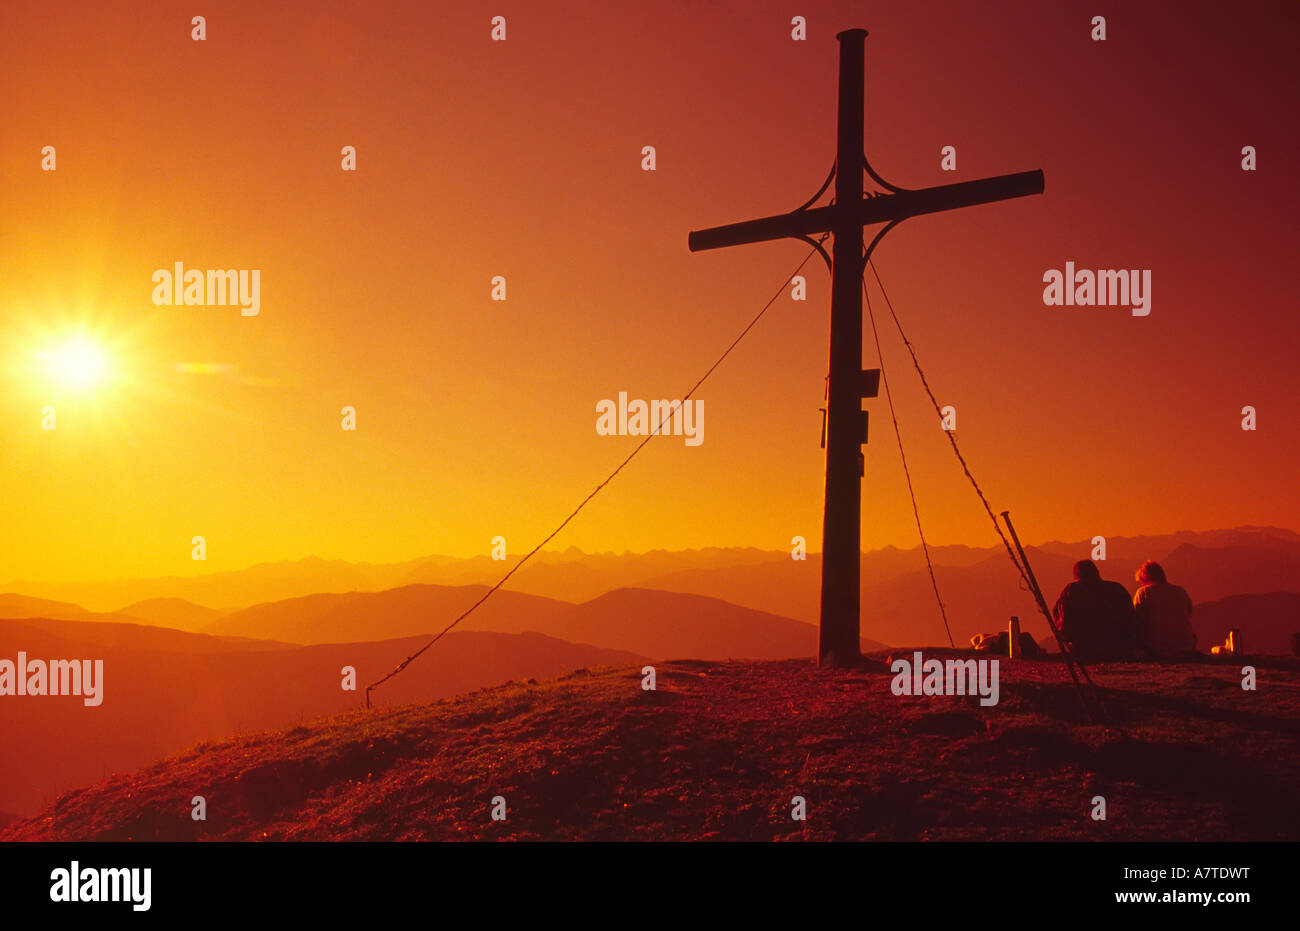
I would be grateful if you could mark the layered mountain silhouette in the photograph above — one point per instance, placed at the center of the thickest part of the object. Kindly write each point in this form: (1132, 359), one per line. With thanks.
(979, 586)
(162, 612)
(655, 624)
(18, 606)
(200, 658)
(171, 612)
(398, 612)
(568, 575)
(277, 663)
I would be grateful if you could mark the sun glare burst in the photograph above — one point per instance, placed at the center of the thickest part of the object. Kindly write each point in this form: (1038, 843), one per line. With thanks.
(78, 363)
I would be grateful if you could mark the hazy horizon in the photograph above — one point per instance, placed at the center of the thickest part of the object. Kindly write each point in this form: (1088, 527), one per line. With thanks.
(200, 568)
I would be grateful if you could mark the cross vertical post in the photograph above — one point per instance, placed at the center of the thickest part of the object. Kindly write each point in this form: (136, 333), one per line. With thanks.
(838, 638)
(847, 383)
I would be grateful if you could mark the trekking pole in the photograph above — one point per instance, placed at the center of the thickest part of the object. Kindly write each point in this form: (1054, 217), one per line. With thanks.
(1037, 592)
(1070, 659)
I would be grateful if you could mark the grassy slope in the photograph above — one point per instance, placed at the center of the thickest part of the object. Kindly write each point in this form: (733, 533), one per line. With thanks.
(720, 748)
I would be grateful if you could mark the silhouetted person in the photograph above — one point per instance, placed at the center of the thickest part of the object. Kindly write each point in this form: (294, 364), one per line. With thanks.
(1095, 616)
(1164, 614)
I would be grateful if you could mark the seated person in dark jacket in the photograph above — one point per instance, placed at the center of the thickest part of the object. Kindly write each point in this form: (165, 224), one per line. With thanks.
(1095, 616)
(1163, 613)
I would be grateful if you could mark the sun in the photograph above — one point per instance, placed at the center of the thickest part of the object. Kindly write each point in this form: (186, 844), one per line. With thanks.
(78, 363)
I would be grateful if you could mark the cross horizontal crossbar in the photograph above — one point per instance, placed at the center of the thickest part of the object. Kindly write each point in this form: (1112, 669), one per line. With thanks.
(882, 208)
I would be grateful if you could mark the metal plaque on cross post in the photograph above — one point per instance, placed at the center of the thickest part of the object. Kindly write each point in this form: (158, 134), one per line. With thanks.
(852, 209)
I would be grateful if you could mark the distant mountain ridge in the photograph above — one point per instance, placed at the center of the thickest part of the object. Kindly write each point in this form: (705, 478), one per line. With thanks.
(651, 623)
(573, 575)
(20, 606)
(408, 611)
(551, 572)
(171, 612)
(979, 586)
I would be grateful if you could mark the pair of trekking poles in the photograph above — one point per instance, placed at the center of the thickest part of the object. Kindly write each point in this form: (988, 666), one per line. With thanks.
(1072, 662)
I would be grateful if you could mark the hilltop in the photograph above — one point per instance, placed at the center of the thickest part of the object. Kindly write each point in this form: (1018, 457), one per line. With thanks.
(719, 750)
(165, 689)
(280, 663)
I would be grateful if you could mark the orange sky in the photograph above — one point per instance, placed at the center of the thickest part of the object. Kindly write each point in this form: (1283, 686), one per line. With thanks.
(522, 159)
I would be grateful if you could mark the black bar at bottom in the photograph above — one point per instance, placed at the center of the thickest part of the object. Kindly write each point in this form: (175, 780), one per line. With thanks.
(438, 881)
